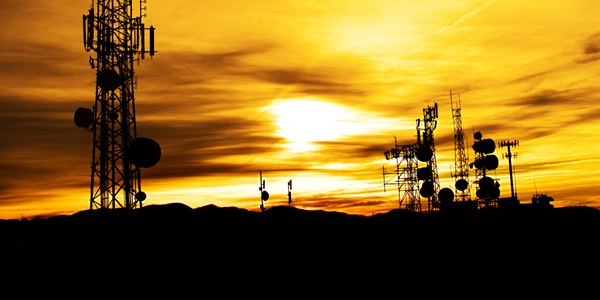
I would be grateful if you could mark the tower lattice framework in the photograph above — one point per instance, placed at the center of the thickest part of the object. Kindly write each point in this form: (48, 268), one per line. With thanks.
(430, 115)
(461, 159)
(406, 175)
(118, 39)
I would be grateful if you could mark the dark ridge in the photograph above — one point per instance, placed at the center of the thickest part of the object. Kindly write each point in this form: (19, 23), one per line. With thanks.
(177, 227)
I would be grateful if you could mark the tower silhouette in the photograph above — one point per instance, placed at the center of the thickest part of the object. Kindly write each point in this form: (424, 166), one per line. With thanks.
(118, 39)
(426, 153)
(461, 159)
(405, 174)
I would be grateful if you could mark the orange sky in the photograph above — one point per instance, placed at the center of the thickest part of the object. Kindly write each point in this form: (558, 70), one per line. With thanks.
(308, 91)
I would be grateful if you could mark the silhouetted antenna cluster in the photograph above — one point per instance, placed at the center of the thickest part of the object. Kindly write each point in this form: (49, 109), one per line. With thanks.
(488, 190)
(118, 39)
(407, 172)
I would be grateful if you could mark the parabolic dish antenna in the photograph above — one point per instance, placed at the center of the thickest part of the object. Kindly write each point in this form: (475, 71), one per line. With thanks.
(446, 195)
(426, 190)
(491, 162)
(140, 196)
(486, 183)
(143, 152)
(484, 146)
(108, 79)
(83, 117)
(461, 184)
(424, 153)
(264, 195)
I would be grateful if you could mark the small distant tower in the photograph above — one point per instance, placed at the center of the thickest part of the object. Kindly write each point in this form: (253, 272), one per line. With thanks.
(289, 185)
(118, 39)
(264, 195)
(461, 159)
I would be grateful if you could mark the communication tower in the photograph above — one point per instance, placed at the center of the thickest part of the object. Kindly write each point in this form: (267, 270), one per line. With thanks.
(461, 159)
(426, 153)
(405, 175)
(118, 39)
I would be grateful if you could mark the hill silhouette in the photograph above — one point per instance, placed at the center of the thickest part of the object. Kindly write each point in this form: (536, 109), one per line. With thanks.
(178, 227)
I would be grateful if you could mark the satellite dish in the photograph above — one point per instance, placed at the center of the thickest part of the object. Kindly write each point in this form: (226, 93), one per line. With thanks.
(479, 163)
(446, 195)
(486, 183)
(143, 152)
(491, 162)
(424, 173)
(461, 184)
(83, 117)
(481, 193)
(140, 196)
(426, 190)
(424, 153)
(484, 146)
(108, 79)
(264, 195)
(494, 192)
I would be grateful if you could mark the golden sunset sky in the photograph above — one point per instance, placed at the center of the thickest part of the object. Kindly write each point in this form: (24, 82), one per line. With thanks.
(309, 91)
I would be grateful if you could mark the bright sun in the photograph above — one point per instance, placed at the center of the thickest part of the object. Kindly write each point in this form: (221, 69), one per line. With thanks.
(302, 122)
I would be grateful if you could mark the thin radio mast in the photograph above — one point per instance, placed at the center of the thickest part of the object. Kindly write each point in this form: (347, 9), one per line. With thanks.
(118, 39)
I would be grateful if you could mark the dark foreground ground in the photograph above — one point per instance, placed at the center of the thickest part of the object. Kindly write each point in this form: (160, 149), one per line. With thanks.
(177, 227)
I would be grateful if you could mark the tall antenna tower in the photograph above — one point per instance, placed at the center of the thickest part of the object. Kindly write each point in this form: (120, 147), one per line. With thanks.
(426, 153)
(461, 159)
(118, 39)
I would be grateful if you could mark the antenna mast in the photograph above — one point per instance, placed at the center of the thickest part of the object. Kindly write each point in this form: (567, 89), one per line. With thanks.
(461, 159)
(405, 174)
(118, 39)
(426, 153)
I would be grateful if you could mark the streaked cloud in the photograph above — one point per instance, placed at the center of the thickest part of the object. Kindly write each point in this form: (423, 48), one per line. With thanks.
(523, 71)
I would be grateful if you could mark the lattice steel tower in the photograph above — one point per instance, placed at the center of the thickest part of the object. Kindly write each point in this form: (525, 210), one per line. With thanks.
(118, 39)
(461, 159)
(426, 153)
(405, 174)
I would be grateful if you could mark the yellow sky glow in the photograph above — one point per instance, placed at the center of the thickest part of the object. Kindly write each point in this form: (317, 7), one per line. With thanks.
(309, 91)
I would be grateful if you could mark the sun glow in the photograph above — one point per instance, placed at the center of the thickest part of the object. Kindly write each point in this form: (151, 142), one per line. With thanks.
(303, 122)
